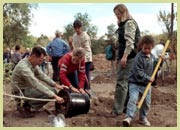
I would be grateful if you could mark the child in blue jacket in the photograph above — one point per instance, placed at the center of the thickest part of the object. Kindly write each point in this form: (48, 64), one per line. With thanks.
(140, 76)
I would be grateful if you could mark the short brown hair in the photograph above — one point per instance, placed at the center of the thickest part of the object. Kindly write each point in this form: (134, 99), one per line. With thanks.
(147, 39)
(77, 24)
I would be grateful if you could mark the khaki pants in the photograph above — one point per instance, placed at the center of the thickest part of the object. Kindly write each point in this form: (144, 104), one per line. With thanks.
(33, 93)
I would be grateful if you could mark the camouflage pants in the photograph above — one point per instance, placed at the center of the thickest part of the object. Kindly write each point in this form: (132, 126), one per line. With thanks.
(121, 89)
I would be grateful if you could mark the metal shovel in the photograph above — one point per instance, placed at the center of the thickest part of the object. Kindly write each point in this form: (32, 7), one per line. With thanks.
(55, 120)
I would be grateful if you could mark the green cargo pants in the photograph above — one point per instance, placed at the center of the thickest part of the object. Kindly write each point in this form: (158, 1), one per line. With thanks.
(33, 93)
(121, 87)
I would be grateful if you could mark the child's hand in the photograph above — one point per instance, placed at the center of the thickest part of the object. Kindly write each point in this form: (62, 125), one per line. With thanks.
(162, 57)
(151, 79)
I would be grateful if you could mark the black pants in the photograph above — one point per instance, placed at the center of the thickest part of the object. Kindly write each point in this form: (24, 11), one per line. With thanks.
(87, 81)
(55, 68)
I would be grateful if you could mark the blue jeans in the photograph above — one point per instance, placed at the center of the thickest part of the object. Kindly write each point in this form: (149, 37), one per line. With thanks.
(73, 78)
(134, 91)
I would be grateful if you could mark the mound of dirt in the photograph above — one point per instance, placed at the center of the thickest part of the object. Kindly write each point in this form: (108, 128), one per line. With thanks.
(159, 98)
(101, 64)
(169, 79)
(103, 72)
(99, 79)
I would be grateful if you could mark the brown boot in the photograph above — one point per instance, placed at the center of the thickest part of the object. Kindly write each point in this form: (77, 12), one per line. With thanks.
(25, 112)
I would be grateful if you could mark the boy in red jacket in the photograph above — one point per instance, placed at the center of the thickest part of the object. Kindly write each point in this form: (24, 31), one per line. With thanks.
(71, 65)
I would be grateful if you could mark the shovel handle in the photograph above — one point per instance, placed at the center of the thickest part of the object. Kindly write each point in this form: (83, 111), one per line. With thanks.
(153, 75)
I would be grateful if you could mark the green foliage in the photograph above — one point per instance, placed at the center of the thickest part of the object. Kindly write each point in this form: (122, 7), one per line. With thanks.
(92, 31)
(111, 31)
(16, 19)
(43, 41)
(7, 72)
(168, 19)
(160, 37)
(87, 27)
(98, 46)
(69, 31)
(165, 18)
(29, 41)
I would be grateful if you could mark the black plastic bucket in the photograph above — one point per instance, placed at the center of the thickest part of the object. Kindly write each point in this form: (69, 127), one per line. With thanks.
(75, 103)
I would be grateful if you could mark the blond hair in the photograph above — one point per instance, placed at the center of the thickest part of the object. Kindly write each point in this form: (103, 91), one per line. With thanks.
(124, 11)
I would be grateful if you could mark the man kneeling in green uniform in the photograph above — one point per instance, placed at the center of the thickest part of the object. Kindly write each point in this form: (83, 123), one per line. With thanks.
(26, 79)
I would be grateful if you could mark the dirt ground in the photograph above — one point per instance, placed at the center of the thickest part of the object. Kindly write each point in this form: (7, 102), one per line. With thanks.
(163, 111)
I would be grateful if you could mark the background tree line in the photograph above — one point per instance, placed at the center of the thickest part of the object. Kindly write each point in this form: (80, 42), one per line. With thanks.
(17, 19)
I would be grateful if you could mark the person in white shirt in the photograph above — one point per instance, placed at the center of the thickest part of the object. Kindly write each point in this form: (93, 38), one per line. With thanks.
(82, 40)
(157, 52)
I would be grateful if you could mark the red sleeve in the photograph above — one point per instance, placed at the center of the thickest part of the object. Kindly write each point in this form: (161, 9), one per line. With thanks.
(82, 74)
(63, 64)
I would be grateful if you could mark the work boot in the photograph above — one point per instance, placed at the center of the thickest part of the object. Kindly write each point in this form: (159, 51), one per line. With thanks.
(25, 112)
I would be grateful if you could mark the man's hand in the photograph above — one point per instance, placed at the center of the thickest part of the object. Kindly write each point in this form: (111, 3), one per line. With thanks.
(58, 99)
(61, 86)
(82, 91)
(74, 89)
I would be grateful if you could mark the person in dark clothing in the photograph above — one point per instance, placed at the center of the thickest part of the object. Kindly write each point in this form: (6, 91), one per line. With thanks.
(27, 53)
(7, 56)
(16, 56)
(111, 42)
